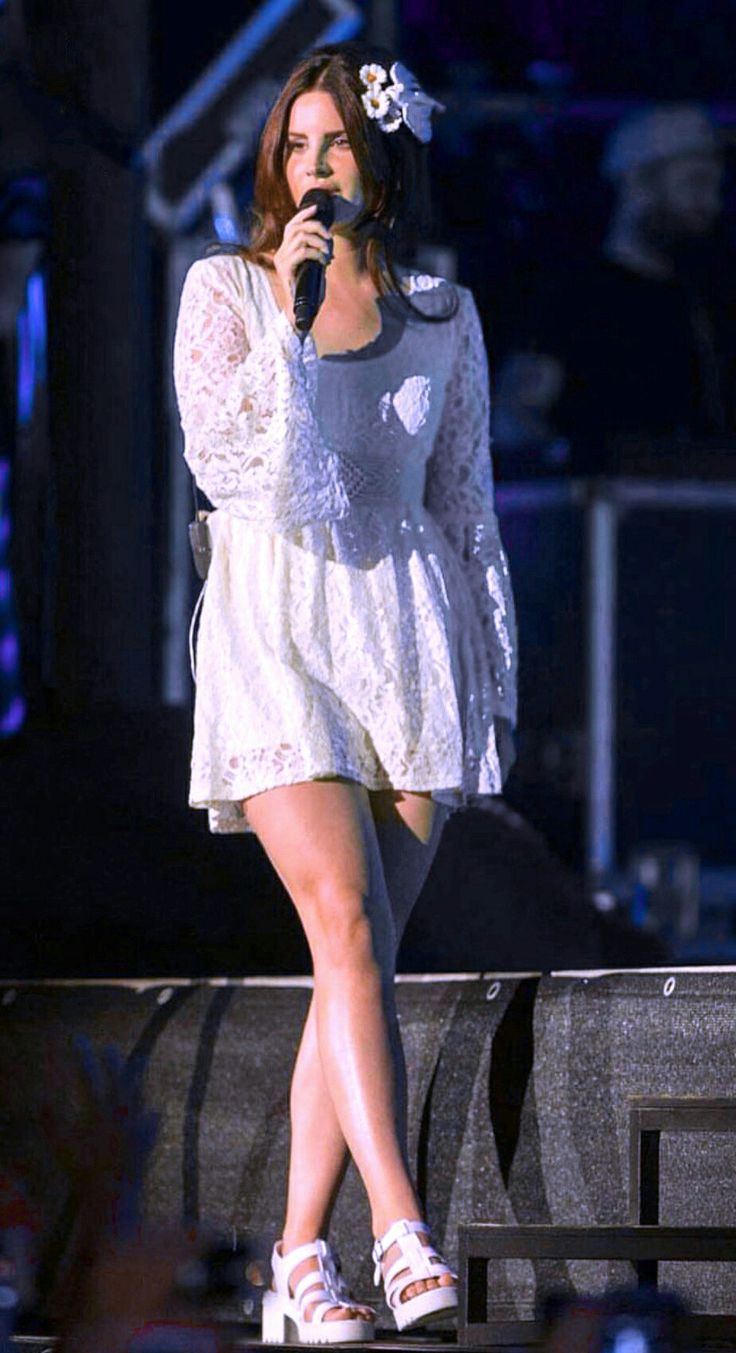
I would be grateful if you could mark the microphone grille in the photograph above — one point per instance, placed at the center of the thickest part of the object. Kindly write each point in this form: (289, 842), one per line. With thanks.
(325, 204)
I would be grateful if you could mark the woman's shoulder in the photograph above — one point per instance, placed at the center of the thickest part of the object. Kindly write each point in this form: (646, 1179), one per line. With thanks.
(435, 295)
(232, 272)
(424, 289)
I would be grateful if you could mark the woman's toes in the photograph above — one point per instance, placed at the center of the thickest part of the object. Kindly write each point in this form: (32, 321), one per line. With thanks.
(346, 1313)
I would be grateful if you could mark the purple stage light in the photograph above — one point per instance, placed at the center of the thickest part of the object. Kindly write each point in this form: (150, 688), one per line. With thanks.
(9, 653)
(14, 716)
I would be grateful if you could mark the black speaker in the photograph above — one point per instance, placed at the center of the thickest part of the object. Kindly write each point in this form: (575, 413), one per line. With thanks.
(600, 1041)
(218, 1058)
(520, 1097)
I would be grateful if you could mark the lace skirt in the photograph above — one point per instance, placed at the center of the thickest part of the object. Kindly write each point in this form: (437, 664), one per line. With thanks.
(350, 649)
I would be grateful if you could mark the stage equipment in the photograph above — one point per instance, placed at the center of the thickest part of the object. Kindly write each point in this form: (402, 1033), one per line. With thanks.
(521, 1097)
(207, 138)
(213, 130)
(639, 1246)
(614, 581)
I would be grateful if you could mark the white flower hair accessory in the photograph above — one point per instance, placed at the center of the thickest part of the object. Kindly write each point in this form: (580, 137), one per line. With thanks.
(398, 97)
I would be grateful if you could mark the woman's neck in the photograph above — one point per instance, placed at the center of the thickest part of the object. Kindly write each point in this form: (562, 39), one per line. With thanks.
(348, 259)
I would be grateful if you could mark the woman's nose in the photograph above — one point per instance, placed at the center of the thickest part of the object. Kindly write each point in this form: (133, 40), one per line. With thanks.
(320, 166)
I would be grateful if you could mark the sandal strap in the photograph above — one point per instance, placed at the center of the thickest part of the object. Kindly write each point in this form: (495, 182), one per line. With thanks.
(417, 1263)
(312, 1283)
(323, 1285)
(320, 1311)
(394, 1236)
(419, 1259)
(286, 1263)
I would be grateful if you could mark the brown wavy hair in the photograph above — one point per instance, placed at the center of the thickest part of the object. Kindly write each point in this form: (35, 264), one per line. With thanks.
(392, 167)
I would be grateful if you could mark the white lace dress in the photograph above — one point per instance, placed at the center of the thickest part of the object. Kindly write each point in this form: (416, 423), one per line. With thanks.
(357, 619)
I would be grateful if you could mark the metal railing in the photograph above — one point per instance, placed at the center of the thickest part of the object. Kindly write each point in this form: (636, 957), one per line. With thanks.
(604, 502)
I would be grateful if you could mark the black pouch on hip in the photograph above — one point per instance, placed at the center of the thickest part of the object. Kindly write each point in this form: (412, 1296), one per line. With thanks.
(200, 539)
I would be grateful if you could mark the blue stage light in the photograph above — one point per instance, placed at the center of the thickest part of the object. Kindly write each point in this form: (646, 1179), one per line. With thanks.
(32, 340)
(31, 335)
(226, 229)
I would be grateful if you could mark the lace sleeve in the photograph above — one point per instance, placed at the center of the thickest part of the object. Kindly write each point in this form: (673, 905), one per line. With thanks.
(459, 495)
(251, 437)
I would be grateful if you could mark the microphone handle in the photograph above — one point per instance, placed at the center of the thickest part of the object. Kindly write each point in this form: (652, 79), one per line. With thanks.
(309, 294)
(310, 279)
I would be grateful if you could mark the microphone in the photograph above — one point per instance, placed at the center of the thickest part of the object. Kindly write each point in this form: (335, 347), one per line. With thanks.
(310, 276)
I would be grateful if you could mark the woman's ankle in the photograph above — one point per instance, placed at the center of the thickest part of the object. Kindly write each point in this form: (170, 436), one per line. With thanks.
(383, 1221)
(293, 1239)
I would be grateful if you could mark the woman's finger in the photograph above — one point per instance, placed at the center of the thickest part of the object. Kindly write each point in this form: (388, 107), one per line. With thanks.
(296, 228)
(320, 255)
(307, 239)
(300, 216)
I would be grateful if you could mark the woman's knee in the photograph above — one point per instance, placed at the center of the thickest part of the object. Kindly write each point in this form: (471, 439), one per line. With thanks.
(348, 928)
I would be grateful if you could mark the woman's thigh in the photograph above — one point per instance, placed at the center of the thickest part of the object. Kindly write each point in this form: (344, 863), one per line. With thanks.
(321, 839)
(409, 828)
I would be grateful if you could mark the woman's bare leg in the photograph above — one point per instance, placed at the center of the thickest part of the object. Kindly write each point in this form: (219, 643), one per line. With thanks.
(408, 828)
(321, 839)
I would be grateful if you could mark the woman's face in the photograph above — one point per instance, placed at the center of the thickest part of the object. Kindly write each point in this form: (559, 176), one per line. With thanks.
(318, 153)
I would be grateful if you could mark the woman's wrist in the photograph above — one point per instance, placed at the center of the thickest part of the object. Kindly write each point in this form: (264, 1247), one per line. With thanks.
(285, 298)
(288, 333)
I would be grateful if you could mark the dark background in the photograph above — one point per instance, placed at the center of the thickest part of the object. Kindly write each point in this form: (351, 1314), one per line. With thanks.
(104, 868)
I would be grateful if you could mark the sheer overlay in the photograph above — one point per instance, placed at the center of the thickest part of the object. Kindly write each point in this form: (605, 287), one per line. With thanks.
(358, 617)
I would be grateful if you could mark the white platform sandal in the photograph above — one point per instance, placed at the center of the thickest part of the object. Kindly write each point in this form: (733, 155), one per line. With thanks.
(416, 1262)
(284, 1319)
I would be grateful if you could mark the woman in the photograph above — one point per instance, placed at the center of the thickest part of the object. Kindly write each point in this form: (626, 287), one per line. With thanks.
(355, 661)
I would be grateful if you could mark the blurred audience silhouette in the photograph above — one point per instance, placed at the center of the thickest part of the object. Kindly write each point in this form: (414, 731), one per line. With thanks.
(102, 1278)
(629, 357)
(623, 1320)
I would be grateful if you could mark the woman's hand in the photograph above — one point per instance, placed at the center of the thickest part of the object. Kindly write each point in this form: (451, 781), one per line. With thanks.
(304, 238)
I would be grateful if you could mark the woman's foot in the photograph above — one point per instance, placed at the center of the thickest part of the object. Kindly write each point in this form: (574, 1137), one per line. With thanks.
(309, 1300)
(420, 1286)
(311, 1265)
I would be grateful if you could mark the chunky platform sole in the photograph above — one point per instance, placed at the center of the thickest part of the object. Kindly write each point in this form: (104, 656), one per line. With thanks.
(427, 1308)
(280, 1324)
